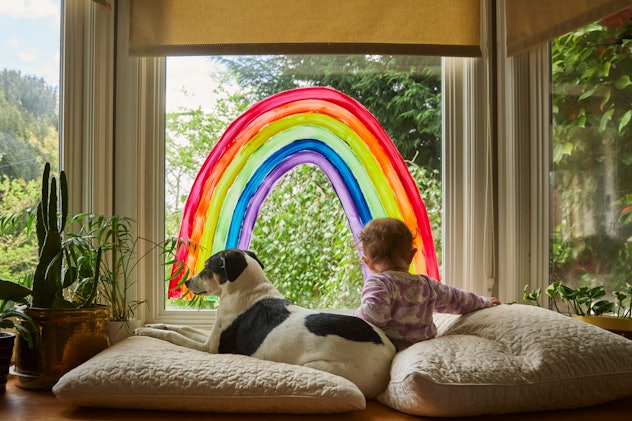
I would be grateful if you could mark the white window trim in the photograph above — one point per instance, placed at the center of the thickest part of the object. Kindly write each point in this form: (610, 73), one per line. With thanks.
(126, 103)
(468, 197)
(523, 168)
(86, 104)
(469, 206)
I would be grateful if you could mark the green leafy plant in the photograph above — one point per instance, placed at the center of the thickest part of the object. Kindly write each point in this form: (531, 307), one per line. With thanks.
(591, 132)
(584, 301)
(67, 271)
(123, 251)
(12, 317)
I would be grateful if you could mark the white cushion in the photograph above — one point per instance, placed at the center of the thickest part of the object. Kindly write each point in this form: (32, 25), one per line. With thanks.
(147, 373)
(510, 358)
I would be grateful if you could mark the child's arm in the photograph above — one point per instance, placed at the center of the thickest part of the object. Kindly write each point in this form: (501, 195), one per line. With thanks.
(375, 304)
(457, 301)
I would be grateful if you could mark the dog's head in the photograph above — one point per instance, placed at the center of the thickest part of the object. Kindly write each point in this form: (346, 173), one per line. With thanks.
(222, 267)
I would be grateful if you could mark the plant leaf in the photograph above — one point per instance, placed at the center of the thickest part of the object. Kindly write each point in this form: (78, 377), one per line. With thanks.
(625, 119)
(607, 116)
(623, 82)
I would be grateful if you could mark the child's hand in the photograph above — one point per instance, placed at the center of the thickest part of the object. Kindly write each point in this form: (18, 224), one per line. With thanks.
(495, 301)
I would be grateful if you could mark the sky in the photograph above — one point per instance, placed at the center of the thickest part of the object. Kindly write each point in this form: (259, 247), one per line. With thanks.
(30, 43)
(188, 83)
(29, 38)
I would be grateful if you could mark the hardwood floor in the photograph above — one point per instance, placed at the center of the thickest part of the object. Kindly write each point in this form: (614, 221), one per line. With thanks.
(27, 405)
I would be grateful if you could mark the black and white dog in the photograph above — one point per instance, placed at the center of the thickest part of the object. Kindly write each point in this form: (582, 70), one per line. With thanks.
(255, 319)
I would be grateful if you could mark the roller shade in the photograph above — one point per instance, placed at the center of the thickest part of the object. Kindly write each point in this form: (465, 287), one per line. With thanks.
(530, 22)
(424, 27)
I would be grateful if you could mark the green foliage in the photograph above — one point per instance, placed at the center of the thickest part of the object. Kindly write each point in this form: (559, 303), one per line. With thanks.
(18, 244)
(12, 317)
(28, 139)
(584, 301)
(124, 250)
(305, 243)
(28, 125)
(592, 156)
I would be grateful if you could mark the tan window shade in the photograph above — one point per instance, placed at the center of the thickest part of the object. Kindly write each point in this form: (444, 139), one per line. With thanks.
(530, 22)
(428, 27)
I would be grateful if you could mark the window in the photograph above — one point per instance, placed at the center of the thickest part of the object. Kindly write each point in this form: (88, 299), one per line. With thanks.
(29, 119)
(140, 150)
(302, 234)
(591, 178)
(495, 217)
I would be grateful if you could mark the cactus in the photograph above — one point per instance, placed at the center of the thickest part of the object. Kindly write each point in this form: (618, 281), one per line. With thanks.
(61, 264)
(47, 286)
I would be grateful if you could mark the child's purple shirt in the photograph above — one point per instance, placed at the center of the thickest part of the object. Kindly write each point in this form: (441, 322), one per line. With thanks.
(401, 304)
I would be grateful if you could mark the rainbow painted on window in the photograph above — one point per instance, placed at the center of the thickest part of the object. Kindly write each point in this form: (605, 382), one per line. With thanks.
(315, 125)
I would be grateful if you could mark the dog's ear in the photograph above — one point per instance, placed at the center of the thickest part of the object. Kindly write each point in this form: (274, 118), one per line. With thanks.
(254, 256)
(234, 264)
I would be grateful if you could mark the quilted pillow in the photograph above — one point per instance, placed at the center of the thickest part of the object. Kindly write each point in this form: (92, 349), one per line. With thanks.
(510, 358)
(147, 373)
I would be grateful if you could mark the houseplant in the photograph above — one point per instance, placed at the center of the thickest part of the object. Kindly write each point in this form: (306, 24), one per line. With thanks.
(123, 251)
(116, 237)
(60, 295)
(589, 305)
(14, 319)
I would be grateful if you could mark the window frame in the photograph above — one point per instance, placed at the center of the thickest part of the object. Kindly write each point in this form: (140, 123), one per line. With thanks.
(113, 150)
(524, 143)
(86, 104)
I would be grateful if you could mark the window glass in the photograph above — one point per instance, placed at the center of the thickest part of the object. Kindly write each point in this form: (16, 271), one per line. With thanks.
(591, 178)
(29, 121)
(301, 233)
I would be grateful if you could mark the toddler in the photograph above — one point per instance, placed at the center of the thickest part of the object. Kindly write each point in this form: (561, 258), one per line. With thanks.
(397, 301)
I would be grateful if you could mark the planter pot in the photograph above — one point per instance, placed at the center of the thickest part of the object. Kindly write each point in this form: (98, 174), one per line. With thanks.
(119, 330)
(616, 325)
(6, 352)
(69, 337)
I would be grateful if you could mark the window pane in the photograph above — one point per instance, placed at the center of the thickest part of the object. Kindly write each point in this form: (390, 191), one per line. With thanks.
(301, 233)
(591, 175)
(29, 120)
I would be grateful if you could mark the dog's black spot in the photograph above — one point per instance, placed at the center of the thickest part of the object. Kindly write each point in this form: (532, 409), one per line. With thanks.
(234, 263)
(254, 256)
(348, 327)
(246, 333)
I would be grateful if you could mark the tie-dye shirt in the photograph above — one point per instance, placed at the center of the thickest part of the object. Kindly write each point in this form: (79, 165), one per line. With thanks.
(401, 304)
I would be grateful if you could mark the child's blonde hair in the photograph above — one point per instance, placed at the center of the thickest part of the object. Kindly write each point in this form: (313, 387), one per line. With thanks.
(385, 238)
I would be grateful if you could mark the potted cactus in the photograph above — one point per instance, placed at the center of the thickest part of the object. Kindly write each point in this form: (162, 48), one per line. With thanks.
(61, 299)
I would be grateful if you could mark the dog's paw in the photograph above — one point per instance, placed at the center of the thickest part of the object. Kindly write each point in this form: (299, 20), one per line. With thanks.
(159, 326)
(142, 331)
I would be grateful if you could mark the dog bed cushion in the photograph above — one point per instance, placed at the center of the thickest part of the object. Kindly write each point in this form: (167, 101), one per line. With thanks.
(510, 358)
(147, 373)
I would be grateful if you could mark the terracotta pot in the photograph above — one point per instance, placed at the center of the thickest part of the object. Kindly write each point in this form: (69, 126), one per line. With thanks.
(6, 352)
(69, 337)
(618, 325)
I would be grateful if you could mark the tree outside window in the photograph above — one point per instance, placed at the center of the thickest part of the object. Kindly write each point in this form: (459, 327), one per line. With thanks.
(591, 178)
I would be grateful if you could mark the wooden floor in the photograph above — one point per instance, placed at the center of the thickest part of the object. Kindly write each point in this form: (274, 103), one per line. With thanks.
(26, 405)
